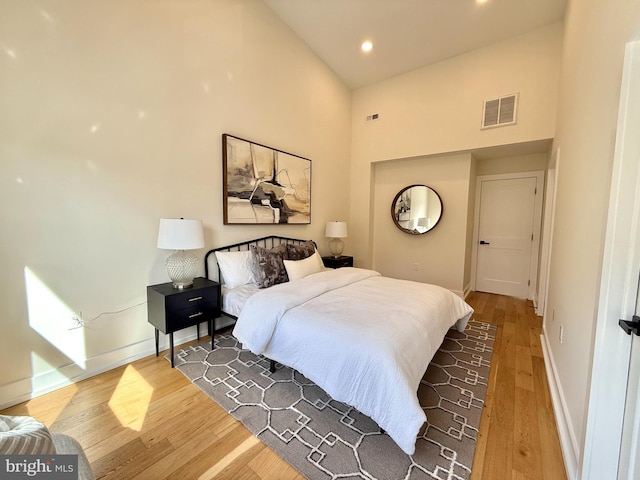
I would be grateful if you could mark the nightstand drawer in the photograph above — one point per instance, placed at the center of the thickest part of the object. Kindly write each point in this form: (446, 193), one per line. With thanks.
(191, 299)
(186, 317)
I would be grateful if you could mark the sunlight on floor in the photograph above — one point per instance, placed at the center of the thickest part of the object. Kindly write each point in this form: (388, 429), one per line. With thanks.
(51, 318)
(229, 458)
(130, 399)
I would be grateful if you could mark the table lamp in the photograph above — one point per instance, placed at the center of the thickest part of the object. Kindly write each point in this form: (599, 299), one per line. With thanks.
(336, 231)
(180, 234)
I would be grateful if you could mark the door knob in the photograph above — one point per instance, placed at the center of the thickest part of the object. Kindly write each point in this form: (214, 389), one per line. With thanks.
(630, 326)
(482, 242)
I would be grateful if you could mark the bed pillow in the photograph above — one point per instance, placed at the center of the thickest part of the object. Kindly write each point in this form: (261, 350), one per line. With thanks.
(268, 266)
(299, 252)
(301, 268)
(236, 268)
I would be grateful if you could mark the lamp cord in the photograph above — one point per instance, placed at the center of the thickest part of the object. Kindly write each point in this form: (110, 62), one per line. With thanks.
(84, 323)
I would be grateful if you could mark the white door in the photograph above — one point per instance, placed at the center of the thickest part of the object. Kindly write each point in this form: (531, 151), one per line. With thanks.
(506, 233)
(627, 175)
(629, 466)
(613, 430)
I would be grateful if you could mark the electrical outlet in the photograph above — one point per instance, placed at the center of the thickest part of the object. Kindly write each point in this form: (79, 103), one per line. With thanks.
(561, 334)
(416, 267)
(74, 323)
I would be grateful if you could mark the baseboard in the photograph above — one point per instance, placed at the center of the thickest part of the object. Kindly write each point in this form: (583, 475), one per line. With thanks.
(568, 444)
(54, 379)
(464, 292)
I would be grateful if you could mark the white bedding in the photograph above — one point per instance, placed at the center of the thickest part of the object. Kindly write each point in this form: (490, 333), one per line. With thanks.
(233, 299)
(365, 339)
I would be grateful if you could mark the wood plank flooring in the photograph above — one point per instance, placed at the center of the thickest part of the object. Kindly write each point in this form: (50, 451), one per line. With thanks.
(147, 421)
(518, 437)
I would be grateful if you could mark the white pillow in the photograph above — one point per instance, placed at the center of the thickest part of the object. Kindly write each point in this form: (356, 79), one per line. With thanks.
(301, 268)
(236, 268)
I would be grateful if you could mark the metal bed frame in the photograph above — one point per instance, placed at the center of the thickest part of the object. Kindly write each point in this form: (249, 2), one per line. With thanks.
(265, 242)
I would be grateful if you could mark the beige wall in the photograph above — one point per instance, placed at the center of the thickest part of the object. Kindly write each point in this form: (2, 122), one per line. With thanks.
(439, 253)
(588, 110)
(438, 109)
(453, 176)
(111, 115)
(522, 163)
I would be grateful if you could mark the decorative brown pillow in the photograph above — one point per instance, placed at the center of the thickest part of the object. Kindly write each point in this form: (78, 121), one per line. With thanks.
(302, 251)
(268, 265)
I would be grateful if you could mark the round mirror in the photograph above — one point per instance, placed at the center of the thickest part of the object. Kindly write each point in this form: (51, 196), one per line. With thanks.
(416, 209)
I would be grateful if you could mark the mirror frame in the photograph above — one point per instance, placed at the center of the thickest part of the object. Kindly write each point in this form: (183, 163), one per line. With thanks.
(393, 210)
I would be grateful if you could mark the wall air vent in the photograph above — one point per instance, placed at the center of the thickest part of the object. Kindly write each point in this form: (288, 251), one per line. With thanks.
(499, 112)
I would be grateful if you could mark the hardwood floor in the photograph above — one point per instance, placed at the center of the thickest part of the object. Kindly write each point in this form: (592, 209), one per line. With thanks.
(147, 421)
(518, 437)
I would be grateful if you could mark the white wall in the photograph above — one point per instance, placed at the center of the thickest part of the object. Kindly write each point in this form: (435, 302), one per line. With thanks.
(438, 109)
(111, 115)
(595, 39)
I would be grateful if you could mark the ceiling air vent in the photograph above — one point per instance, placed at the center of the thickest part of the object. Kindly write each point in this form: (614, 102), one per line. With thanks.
(499, 112)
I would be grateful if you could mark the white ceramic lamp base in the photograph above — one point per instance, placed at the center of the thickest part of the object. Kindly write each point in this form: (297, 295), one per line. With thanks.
(182, 268)
(336, 247)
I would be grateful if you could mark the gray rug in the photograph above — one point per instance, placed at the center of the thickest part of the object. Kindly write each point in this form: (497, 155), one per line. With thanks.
(324, 439)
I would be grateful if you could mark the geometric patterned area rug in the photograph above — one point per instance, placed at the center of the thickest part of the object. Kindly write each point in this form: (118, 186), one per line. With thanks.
(324, 439)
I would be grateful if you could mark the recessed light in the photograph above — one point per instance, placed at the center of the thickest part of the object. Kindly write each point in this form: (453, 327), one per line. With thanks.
(367, 46)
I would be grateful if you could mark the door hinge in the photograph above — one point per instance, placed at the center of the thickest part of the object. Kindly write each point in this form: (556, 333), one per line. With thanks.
(528, 283)
(532, 237)
(535, 190)
(632, 326)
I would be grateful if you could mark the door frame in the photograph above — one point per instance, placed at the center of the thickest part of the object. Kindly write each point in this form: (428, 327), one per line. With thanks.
(621, 261)
(537, 222)
(548, 224)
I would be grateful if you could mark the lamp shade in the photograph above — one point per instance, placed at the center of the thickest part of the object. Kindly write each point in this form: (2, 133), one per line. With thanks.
(336, 230)
(180, 234)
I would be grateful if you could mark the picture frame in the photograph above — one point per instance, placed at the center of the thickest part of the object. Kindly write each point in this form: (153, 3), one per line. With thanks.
(264, 185)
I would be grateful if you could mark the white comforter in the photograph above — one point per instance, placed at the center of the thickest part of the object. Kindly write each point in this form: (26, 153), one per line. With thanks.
(363, 338)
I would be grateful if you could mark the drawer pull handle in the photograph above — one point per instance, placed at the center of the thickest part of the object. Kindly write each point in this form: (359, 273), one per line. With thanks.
(196, 315)
(194, 299)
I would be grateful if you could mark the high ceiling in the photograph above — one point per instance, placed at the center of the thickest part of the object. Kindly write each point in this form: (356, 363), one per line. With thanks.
(406, 34)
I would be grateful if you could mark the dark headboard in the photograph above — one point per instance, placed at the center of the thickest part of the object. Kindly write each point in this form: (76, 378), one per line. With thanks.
(210, 264)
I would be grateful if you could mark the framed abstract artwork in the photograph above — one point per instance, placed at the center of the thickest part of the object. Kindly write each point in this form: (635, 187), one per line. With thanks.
(263, 185)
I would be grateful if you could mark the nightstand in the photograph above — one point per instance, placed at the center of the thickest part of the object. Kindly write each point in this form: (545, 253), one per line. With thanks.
(338, 262)
(170, 309)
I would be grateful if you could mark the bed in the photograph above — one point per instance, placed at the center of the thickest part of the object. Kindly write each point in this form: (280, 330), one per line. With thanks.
(239, 284)
(363, 338)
